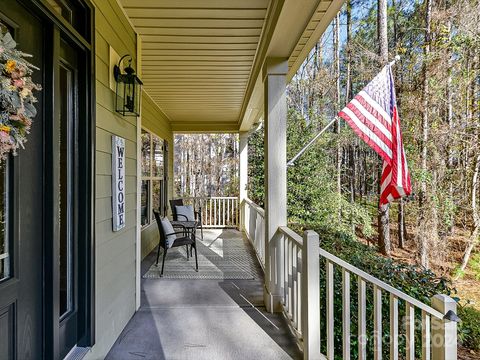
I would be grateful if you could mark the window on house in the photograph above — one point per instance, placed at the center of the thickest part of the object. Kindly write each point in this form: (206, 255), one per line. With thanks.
(73, 12)
(153, 176)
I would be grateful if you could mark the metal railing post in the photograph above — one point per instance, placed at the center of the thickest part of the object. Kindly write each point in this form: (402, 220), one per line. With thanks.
(444, 332)
(311, 296)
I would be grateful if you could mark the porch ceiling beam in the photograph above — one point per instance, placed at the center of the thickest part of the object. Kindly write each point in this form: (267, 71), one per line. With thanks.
(193, 32)
(199, 39)
(219, 46)
(193, 23)
(190, 126)
(196, 13)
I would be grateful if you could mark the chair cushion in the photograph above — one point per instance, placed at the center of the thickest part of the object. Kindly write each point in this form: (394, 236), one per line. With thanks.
(168, 229)
(186, 211)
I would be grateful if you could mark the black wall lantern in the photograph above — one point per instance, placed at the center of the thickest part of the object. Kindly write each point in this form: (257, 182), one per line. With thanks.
(128, 92)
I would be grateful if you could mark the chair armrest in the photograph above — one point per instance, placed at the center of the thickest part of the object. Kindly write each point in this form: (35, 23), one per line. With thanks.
(176, 233)
(179, 226)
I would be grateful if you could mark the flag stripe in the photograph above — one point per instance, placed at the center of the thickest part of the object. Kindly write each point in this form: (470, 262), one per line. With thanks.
(371, 122)
(387, 124)
(367, 115)
(366, 134)
(376, 106)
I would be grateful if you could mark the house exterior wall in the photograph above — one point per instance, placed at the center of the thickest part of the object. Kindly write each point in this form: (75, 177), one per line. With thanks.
(115, 251)
(115, 263)
(155, 121)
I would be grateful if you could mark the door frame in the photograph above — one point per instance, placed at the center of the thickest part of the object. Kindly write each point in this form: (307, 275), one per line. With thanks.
(56, 26)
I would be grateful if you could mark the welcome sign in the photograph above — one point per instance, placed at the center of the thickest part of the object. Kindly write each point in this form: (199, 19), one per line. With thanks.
(118, 182)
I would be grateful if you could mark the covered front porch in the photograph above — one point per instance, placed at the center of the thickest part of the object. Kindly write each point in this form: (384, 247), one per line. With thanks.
(202, 318)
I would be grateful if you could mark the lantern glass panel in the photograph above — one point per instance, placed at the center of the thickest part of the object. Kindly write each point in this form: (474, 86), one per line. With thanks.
(128, 99)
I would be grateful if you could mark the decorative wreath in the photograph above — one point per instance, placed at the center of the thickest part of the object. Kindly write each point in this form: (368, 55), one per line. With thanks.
(16, 96)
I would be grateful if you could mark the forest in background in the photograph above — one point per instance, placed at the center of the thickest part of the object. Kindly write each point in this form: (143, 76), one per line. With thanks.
(437, 85)
(334, 186)
(206, 165)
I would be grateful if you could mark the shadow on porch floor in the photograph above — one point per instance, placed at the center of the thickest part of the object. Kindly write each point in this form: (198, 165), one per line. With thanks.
(203, 319)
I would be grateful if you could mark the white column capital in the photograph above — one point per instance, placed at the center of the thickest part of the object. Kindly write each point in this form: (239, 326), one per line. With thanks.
(274, 66)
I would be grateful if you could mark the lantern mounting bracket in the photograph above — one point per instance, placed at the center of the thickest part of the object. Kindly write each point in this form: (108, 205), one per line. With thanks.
(116, 69)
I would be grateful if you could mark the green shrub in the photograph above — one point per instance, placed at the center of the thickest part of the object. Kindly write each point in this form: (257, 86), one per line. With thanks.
(469, 327)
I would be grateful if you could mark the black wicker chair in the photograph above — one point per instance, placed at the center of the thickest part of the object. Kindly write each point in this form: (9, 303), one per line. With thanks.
(185, 240)
(179, 217)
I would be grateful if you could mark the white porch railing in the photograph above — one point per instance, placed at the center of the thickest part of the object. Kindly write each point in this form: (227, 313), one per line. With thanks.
(301, 302)
(217, 212)
(254, 227)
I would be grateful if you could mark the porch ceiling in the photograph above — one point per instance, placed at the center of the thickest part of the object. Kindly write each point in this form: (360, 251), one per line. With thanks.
(201, 58)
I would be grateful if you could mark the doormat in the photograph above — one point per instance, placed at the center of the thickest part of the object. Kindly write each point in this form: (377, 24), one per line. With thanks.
(222, 255)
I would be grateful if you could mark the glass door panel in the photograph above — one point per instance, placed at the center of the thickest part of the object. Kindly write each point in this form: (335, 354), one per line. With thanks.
(5, 254)
(66, 194)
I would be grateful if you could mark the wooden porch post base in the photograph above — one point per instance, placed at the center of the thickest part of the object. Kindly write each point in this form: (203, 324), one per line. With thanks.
(273, 303)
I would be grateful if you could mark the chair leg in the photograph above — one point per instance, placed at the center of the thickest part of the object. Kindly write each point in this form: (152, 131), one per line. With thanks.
(186, 246)
(158, 255)
(163, 261)
(196, 259)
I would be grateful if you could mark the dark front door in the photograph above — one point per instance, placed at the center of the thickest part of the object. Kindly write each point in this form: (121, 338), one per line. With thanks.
(21, 212)
(46, 202)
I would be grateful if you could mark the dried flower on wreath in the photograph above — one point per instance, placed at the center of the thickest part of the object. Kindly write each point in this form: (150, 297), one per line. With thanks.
(16, 96)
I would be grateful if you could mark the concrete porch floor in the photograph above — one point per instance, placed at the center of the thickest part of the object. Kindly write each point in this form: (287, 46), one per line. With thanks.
(203, 319)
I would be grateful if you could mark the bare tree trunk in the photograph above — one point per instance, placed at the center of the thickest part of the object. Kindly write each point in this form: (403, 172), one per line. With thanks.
(336, 56)
(384, 242)
(474, 115)
(474, 235)
(422, 234)
(449, 113)
(401, 224)
(348, 91)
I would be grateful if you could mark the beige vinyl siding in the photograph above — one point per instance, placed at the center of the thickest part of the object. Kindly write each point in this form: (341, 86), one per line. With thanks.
(115, 251)
(155, 121)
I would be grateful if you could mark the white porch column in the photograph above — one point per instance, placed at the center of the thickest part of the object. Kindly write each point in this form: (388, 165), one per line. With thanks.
(243, 176)
(275, 145)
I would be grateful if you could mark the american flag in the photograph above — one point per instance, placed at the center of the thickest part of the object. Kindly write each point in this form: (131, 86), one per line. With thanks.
(373, 116)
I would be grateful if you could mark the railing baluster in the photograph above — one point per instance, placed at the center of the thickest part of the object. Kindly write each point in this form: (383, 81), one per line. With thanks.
(377, 322)
(219, 211)
(330, 311)
(426, 347)
(210, 212)
(294, 285)
(223, 212)
(410, 333)
(299, 288)
(393, 327)
(289, 254)
(346, 313)
(228, 212)
(285, 274)
(362, 315)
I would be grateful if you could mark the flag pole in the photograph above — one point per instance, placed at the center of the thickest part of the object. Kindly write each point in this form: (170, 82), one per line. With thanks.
(300, 153)
(305, 148)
